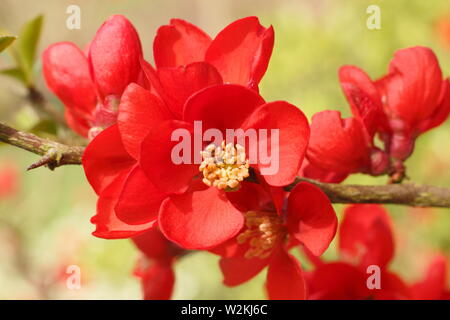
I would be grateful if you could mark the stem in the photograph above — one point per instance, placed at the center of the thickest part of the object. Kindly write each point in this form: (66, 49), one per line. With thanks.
(56, 154)
(405, 194)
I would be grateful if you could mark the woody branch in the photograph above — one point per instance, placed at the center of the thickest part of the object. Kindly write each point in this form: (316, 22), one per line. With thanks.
(55, 154)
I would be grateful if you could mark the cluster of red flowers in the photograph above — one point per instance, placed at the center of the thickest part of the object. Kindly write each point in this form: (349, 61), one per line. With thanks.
(366, 240)
(129, 110)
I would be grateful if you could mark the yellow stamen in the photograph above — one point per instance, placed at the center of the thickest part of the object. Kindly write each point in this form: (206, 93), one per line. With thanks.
(224, 167)
(263, 230)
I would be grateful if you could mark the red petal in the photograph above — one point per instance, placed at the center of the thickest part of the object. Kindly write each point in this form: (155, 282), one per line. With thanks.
(104, 158)
(158, 163)
(139, 200)
(139, 111)
(432, 287)
(311, 218)
(222, 107)
(80, 125)
(285, 279)
(114, 56)
(442, 111)
(153, 244)
(364, 99)
(309, 171)
(241, 52)
(179, 43)
(286, 154)
(251, 197)
(181, 82)
(366, 236)
(66, 73)
(413, 86)
(337, 281)
(200, 220)
(157, 281)
(238, 269)
(108, 226)
(337, 144)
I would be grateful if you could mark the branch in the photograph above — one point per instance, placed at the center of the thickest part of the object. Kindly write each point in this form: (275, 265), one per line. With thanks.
(53, 154)
(56, 154)
(405, 194)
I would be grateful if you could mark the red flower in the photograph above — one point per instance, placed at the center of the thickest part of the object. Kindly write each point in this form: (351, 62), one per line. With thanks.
(155, 267)
(270, 231)
(203, 217)
(347, 145)
(90, 84)
(109, 161)
(365, 240)
(9, 180)
(415, 97)
(411, 99)
(434, 285)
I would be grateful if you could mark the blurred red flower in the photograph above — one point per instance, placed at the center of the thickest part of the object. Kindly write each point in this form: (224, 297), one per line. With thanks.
(365, 239)
(9, 180)
(155, 266)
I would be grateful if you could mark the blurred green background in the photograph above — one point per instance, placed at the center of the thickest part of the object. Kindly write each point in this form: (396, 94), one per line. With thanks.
(45, 226)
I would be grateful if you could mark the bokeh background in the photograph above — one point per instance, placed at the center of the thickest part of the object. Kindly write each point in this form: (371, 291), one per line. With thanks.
(44, 219)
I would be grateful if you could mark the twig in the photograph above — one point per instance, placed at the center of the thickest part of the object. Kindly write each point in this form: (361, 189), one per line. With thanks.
(406, 194)
(54, 154)
(57, 154)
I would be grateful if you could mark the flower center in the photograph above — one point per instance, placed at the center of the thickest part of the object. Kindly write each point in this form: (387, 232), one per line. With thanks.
(263, 231)
(224, 167)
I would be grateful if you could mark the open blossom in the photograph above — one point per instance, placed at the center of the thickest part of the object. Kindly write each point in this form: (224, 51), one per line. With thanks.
(90, 84)
(365, 240)
(270, 230)
(409, 100)
(199, 215)
(155, 266)
(129, 201)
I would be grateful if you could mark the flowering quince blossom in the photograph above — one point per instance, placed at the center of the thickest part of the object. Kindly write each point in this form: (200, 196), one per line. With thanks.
(197, 214)
(91, 83)
(365, 239)
(155, 267)
(409, 100)
(129, 200)
(270, 230)
(131, 193)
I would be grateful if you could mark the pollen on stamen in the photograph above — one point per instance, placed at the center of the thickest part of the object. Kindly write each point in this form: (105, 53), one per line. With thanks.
(263, 230)
(224, 167)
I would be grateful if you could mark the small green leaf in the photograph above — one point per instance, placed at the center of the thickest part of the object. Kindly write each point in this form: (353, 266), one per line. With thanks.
(27, 44)
(5, 41)
(15, 73)
(45, 127)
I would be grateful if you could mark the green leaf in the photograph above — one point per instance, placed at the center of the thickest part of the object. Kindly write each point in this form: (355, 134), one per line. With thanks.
(15, 73)
(5, 41)
(27, 44)
(45, 127)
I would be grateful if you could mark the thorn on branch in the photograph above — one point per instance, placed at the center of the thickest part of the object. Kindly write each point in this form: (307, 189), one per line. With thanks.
(51, 159)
